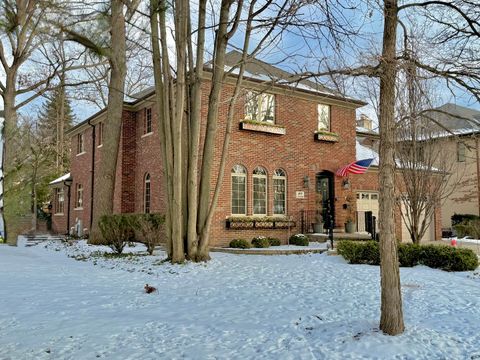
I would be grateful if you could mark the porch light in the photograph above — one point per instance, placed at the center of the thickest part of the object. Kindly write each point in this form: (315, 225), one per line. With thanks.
(346, 184)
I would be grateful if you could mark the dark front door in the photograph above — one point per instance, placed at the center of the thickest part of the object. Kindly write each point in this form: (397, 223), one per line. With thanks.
(326, 197)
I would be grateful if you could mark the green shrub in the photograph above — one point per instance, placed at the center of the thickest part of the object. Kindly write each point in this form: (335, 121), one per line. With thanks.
(299, 239)
(240, 244)
(409, 254)
(117, 230)
(274, 241)
(460, 218)
(260, 242)
(151, 227)
(435, 256)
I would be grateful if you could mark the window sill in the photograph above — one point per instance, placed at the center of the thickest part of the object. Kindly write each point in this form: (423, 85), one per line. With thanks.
(147, 134)
(99, 146)
(78, 208)
(326, 136)
(263, 127)
(59, 214)
(84, 152)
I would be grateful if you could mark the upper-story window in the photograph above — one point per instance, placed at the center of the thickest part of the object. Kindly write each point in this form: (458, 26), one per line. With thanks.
(461, 152)
(100, 134)
(80, 144)
(259, 191)
(260, 107)
(59, 201)
(323, 117)
(239, 190)
(147, 121)
(79, 196)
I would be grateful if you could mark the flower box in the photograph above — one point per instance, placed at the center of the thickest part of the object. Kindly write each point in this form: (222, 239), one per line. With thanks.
(326, 136)
(256, 222)
(262, 127)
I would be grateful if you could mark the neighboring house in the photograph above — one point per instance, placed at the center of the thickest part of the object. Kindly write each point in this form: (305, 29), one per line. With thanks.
(459, 133)
(287, 144)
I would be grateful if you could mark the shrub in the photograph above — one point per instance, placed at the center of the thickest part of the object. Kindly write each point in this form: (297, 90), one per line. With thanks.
(460, 218)
(150, 226)
(260, 242)
(299, 239)
(409, 254)
(117, 230)
(274, 241)
(435, 256)
(240, 244)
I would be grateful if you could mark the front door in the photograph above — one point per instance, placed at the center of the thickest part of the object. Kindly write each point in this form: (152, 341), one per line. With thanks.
(325, 198)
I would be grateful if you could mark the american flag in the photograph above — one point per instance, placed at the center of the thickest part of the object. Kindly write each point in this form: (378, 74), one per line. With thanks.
(357, 167)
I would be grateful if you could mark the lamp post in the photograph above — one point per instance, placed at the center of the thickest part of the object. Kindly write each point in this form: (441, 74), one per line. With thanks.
(68, 184)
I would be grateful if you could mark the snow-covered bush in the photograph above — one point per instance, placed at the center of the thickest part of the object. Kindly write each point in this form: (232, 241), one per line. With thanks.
(117, 230)
(240, 244)
(260, 242)
(274, 241)
(299, 239)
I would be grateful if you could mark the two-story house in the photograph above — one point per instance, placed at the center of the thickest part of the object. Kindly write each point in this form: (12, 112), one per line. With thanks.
(288, 141)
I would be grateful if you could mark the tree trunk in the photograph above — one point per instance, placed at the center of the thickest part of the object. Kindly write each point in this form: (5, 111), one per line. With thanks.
(391, 321)
(105, 182)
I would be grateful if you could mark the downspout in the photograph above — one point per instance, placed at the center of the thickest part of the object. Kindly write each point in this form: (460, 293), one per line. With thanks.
(92, 180)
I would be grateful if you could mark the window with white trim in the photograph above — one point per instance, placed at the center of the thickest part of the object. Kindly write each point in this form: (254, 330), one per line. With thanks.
(239, 190)
(323, 113)
(59, 201)
(260, 107)
(279, 192)
(259, 191)
(79, 196)
(147, 121)
(147, 193)
(80, 144)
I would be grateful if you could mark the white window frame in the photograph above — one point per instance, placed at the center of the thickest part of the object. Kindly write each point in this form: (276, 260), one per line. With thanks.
(256, 176)
(147, 120)
(240, 171)
(147, 181)
(284, 179)
(58, 192)
(80, 144)
(322, 109)
(257, 105)
(78, 199)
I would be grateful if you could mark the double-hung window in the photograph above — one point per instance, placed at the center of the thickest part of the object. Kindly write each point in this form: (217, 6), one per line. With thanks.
(59, 201)
(323, 113)
(239, 190)
(279, 192)
(79, 197)
(147, 121)
(260, 107)
(147, 192)
(80, 144)
(259, 191)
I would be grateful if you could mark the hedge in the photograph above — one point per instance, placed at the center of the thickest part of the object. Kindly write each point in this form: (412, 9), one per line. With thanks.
(260, 242)
(460, 218)
(435, 256)
(299, 239)
(240, 244)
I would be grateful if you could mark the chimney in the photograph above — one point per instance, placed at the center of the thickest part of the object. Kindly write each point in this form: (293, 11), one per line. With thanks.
(365, 122)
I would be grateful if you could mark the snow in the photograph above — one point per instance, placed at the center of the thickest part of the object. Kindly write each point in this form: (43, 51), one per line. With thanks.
(60, 179)
(311, 246)
(234, 307)
(364, 152)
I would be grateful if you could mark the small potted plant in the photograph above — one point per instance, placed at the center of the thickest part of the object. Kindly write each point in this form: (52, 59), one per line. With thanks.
(350, 224)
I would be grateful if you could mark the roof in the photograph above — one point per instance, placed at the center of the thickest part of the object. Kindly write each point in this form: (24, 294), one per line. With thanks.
(61, 179)
(364, 152)
(458, 120)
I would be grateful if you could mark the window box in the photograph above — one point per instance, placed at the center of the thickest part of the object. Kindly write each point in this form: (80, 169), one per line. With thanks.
(262, 127)
(258, 222)
(326, 136)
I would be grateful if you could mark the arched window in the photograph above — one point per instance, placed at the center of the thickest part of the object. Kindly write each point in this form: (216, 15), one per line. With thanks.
(279, 192)
(239, 190)
(259, 191)
(147, 192)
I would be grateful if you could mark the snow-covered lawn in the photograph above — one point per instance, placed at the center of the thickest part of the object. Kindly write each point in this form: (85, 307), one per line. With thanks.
(235, 307)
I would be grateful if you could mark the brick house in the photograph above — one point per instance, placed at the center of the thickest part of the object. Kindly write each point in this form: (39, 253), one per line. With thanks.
(286, 145)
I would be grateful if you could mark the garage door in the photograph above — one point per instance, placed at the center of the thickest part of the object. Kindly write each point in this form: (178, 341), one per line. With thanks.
(429, 233)
(366, 201)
